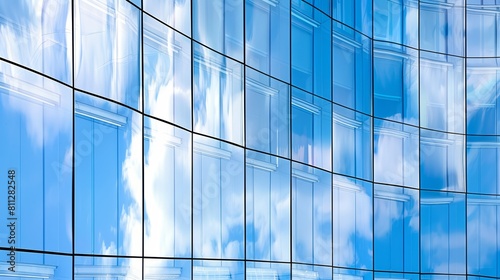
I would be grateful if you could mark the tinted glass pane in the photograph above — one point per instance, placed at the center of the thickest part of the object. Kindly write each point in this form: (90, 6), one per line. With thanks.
(218, 199)
(36, 165)
(36, 35)
(268, 37)
(352, 223)
(175, 13)
(396, 21)
(483, 163)
(218, 95)
(108, 178)
(267, 207)
(167, 73)
(218, 24)
(311, 215)
(267, 114)
(311, 129)
(107, 56)
(167, 190)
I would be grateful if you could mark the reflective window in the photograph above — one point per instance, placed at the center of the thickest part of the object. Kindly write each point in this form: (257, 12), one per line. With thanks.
(267, 114)
(396, 21)
(303, 271)
(311, 49)
(218, 95)
(311, 215)
(268, 37)
(483, 235)
(396, 229)
(442, 92)
(341, 274)
(354, 13)
(352, 143)
(442, 217)
(107, 52)
(167, 73)
(483, 89)
(442, 161)
(38, 35)
(352, 223)
(175, 13)
(207, 269)
(389, 275)
(483, 163)
(36, 266)
(267, 270)
(396, 153)
(267, 207)
(167, 269)
(218, 199)
(108, 178)
(311, 129)
(442, 26)
(396, 83)
(352, 70)
(167, 190)
(36, 120)
(218, 24)
(89, 268)
(483, 35)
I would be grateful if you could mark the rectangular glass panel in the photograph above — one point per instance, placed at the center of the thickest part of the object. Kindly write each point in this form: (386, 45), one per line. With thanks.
(36, 160)
(108, 178)
(175, 13)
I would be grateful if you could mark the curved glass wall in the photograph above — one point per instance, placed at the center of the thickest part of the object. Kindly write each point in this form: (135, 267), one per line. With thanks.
(250, 139)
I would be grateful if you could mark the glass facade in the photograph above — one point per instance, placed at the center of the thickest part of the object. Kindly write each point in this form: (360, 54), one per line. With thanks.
(250, 139)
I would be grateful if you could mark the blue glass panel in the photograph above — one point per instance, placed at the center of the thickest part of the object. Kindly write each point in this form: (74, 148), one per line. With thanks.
(483, 35)
(36, 266)
(267, 207)
(167, 190)
(442, 161)
(107, 267)
(352, 223)
(38, 35)
(36, 122)
(218, 95)
(108, 178)
(352, 143)
(311, 49)
(205, 269)
(267, 114)
(218, 199)
(303, 271)
(388, 276)
(396, 83)
(396, 153)
(396, 21)
(108, 51)
(341, 274)
(311, 129)
(483, 235)
(396, 229)
(483, 162)
(352, 69)
(175, 13)
(354, 13)
(483, 90)
(442, 232)
(442, 92)
(167, 73)
(322, 5)
(311, 215)
(442, 27)
(218, 24)
(167, 269)
(442, 277)
(268, 37)
(267, 270)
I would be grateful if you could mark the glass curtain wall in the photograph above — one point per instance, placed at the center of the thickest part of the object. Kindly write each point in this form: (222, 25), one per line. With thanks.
(250, 139)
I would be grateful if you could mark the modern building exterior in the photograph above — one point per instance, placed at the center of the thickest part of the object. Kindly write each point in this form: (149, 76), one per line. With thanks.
(250, 139)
